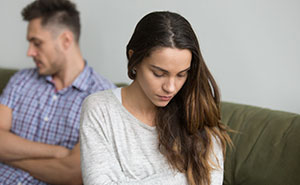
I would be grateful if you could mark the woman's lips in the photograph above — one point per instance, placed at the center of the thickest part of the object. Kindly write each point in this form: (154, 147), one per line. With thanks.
(164, 98)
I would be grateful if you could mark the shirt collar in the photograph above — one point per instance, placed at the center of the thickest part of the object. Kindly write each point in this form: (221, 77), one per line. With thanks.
(81, 81)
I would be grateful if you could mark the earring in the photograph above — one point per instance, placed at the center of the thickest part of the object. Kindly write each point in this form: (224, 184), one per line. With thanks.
(133, 71)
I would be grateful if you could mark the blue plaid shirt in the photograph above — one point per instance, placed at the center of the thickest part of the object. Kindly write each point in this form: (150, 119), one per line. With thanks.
(42, 114)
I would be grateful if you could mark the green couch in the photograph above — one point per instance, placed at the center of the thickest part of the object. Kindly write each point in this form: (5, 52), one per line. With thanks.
(5, 74)
(266, 144)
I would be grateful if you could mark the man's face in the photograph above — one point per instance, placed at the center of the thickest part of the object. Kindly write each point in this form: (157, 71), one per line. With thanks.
(45, 48)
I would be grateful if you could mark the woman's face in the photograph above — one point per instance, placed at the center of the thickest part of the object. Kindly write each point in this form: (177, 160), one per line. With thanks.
(162, 74)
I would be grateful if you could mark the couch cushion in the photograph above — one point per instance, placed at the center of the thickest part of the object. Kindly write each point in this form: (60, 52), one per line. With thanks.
(5, 75)
(267, 146)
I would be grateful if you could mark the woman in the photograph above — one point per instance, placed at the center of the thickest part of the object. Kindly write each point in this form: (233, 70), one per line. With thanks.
(164, 128)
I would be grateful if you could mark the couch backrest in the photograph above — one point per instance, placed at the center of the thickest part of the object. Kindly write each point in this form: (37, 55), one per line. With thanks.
(5, 75)
(267, 147)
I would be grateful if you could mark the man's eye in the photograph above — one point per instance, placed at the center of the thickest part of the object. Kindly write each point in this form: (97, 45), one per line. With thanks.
(37, 44)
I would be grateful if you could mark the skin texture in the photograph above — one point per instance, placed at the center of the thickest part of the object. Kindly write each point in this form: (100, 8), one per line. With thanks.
(65, 170)
(45, 48)
(159, 77)
(55, 53)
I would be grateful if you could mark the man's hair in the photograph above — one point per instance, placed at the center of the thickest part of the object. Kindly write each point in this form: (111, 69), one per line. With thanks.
(61, 13)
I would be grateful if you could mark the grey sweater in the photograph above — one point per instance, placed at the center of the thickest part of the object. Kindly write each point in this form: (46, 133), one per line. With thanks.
(116, 148)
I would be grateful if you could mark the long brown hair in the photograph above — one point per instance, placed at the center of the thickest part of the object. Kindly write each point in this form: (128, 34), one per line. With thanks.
(188, 125)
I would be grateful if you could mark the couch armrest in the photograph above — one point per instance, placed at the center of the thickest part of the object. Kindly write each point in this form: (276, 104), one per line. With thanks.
(267, 146)
(5, 75)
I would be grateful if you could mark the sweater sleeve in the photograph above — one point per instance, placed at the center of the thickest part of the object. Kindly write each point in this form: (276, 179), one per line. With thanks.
(217, 173)
(99, 162)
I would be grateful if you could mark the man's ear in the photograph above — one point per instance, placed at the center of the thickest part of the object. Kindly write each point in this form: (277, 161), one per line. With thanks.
(67, 39)
(130, 53)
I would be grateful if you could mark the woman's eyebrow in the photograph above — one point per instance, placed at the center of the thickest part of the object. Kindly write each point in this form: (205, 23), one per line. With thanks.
(185, 70)
(161, 69)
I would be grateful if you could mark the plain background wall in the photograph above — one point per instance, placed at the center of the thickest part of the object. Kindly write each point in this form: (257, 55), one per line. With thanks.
(252, 47)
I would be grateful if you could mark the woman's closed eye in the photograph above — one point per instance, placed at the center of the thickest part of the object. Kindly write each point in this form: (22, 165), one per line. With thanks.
(158, 74)
(182, 75)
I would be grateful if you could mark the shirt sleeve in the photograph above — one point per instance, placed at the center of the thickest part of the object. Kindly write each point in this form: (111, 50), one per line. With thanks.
(9, 95)
(99, 162)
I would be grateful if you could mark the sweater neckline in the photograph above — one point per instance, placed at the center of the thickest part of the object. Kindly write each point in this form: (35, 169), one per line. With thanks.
(118, 97)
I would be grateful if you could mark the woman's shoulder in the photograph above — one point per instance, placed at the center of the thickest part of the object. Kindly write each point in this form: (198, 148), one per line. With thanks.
(97, 99)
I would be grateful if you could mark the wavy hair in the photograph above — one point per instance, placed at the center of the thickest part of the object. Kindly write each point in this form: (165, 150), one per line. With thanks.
(188, 125)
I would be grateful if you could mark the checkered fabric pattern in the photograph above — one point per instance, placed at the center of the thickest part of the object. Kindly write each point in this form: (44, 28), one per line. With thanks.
(42, 114)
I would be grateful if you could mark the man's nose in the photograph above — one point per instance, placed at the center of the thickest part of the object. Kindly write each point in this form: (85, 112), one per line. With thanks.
(31, 52)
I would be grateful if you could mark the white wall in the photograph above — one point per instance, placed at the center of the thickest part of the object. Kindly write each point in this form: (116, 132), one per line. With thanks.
(251, 46)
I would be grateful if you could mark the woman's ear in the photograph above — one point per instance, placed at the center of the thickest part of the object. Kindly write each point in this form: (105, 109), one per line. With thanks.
(130, 53)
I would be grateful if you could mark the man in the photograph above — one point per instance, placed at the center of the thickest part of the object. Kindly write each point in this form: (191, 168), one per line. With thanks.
(40, 108)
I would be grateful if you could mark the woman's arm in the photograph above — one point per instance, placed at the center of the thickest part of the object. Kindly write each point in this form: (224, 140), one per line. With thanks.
(100, 163)
(100, 166)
